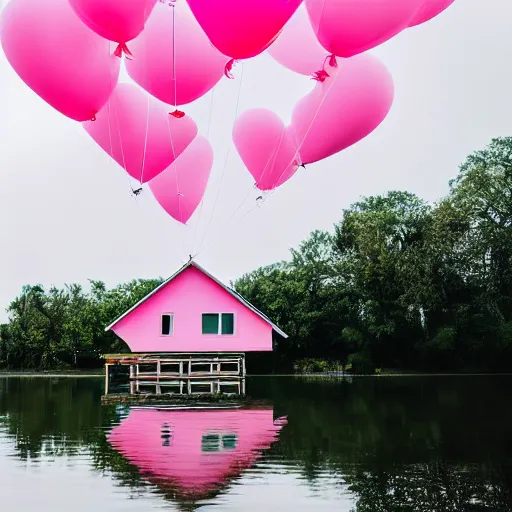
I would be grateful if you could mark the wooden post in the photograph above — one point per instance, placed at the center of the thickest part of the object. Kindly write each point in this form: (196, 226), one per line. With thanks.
(181, 368)
(107, 375)
(189, 386)
(158, 370)
(132, 371)
(189, 367)
(243, 366)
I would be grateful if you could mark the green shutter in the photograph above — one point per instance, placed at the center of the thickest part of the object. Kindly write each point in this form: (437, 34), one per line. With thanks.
(210, 443)
(229, 441)
(228, 323)
(210, 323)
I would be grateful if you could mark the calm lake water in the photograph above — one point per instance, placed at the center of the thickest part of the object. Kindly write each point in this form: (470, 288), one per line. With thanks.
(370, 444)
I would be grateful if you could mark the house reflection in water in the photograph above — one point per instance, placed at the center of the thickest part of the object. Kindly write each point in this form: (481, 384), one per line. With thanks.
(193, 453)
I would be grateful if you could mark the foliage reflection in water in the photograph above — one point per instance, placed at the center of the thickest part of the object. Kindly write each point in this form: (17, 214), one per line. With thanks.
(371, 444)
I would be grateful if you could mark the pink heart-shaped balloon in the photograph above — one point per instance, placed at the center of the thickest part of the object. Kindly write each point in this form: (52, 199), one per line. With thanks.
(58, 57)
(266, 147)
(112, 19)
(242, 28)
(198, 67)
(348, 27)
(343, 109)
(430, 9)
(138, 132)
(180, 188)
(297, 47)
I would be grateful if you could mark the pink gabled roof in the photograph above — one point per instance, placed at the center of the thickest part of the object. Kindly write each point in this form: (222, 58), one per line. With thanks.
(232, 292)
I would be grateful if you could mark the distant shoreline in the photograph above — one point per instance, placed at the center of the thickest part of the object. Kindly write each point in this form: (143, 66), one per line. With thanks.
(101, 373)
(52, 373)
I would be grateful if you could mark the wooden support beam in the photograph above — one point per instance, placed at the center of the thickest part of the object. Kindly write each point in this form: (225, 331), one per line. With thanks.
(181, 373)
(107, 377)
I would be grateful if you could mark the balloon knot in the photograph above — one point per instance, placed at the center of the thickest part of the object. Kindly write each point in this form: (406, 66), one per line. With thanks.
(93, 118)
(298, 163)
(332, 61)
(122, 48)
(177, 113)
(320, 76)
(228, 68)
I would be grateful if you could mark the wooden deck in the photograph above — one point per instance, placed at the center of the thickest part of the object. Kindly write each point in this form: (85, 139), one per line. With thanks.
(173, 373)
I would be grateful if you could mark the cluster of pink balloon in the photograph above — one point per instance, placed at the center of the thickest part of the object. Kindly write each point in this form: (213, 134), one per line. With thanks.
(68, 52)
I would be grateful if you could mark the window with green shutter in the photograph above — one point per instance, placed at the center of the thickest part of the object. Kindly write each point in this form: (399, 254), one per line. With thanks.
(228, 323)
(218, 323)
(210, 323)
(218, 442)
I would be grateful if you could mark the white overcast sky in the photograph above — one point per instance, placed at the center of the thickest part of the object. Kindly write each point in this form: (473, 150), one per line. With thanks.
(66, 213)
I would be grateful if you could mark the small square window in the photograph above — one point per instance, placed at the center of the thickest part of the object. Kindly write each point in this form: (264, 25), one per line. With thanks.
(167, 326)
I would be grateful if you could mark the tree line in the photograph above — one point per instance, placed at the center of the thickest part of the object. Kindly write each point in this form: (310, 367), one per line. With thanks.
(56, 328)
(398, 283)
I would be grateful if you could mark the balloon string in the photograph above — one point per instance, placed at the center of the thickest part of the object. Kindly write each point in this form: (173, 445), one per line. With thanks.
(177, 113)
(272, 156)
(174, 166)
(299, 147)
(226, 159)
(297, 160)
(222, 228)
(109, 107)
(145, 141)
(322, 74)
(271, 192)
(209, 178)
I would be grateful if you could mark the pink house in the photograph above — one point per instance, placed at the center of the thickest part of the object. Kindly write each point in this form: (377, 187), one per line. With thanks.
(193, 312)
